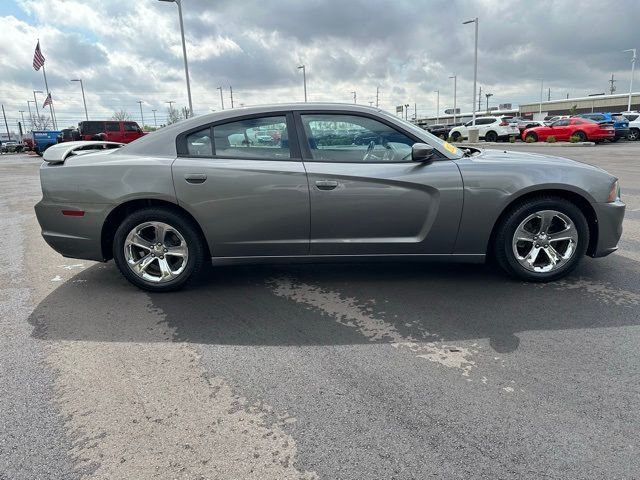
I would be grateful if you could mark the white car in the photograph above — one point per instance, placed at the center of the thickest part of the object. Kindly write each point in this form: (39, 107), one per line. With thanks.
(491, 129)
(634, 125)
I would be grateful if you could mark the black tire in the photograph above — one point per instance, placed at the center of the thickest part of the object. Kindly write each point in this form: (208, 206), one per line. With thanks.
(456, 136)
(634, 134)
(531, 135)
(491, 137)
(581, 136)
(197, 251)
(503, 247)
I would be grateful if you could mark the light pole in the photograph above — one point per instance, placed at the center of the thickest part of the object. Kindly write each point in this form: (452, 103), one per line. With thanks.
(155, 123)
(437, 106)
(406, 111)
(304, 80)
(139, 102)
(231, 93)
(83, 99)
(184, 53)
(541, 88)
(221, 98)
(455, 91)
(633, 65)
(475, 72)
(30, 114)
(354, 97)
(35, 101)
(488, 95)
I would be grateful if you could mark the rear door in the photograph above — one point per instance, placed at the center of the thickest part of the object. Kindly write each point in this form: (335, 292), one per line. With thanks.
(113, 131)
(245, 184)
(371, 198)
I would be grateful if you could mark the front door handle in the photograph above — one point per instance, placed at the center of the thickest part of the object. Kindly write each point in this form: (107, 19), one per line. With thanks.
(195, 177)
(326, 184)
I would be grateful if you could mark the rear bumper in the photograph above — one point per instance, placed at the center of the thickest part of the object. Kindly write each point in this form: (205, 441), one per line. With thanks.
(609, 217)
(71, 236)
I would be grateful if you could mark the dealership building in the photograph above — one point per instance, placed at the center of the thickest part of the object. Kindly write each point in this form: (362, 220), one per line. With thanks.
(539, 110)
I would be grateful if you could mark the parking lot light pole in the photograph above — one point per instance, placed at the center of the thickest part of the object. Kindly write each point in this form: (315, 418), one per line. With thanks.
(139, 102)
(437, 106)
(30, 114)
(184, 53)
(304, 80)
(633, 65)
(541, 88)
(455, 92)
(83, 99)
(221, 98)
(475, 72)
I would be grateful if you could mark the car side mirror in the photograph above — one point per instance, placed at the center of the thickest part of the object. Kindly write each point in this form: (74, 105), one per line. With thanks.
(421, 152)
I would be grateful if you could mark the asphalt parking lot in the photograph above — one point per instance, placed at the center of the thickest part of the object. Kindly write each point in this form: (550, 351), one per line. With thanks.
(320, 371)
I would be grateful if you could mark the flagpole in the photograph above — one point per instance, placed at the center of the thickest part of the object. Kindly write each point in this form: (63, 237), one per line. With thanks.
(53, 118)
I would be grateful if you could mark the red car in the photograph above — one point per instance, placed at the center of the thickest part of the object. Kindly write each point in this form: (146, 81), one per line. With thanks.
(586, 130)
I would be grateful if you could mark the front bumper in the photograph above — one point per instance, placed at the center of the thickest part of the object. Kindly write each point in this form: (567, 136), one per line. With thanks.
(73, 237)
(609, 217)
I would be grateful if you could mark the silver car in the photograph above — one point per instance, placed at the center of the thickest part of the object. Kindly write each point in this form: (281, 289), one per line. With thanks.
(318, 182)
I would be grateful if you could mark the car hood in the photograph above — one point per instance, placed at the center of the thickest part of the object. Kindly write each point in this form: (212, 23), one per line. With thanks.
(511, 157)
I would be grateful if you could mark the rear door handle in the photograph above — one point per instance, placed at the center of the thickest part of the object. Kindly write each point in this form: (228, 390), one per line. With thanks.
(326, 184)
(195, 177)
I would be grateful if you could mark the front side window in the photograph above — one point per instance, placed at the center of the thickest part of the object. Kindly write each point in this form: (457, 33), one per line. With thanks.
(561, 123)
(131, 127)
(259, 138)
(199, 143)
(354, 139)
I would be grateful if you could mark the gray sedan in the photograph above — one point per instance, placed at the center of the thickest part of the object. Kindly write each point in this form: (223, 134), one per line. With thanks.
(319, 182)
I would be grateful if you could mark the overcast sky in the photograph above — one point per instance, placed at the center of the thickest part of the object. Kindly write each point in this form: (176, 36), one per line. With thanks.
(127, 51)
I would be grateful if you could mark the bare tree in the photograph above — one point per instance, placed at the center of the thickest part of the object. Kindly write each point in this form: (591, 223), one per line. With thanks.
(41, 122)
(174, 115)
(121, 115)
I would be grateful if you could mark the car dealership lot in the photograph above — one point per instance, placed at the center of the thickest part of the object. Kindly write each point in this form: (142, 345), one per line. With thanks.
(318, 371)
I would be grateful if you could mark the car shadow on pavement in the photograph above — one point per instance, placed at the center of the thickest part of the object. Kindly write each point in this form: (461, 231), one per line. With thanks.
(294, 305)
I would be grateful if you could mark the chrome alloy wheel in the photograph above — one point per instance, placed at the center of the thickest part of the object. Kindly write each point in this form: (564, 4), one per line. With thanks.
(545, 241)
(156, 252)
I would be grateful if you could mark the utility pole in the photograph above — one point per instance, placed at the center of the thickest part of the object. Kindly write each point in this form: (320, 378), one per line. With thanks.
(155, 123)
(354, 97)
(415, 112)
(549, 95)
(377, 95)
(231, 92)
(455, 92)
(6, 124)
(406, 111)
(612, 88)
(304, 80)
(31, 115)
(139, 102)
(488, 95)
(221, 98)
(479, 98)
(437, 106)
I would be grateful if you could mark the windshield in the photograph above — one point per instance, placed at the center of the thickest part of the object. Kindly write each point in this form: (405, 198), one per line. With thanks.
(432, 139)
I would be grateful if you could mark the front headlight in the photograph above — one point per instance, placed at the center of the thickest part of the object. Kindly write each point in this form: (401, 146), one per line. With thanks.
(614, 194)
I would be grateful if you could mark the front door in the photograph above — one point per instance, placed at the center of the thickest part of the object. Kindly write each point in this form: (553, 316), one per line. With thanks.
(368, 197)
(247, 188)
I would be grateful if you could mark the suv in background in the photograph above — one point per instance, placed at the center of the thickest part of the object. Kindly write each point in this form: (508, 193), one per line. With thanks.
(110, 130)
(491, 129)
(619, 122)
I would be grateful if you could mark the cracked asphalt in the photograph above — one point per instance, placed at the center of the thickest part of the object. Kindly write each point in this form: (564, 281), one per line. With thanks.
(398, 371)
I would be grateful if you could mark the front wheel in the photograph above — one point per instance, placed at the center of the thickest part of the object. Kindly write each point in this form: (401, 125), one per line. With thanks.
(158, 249)
(634, 134)
(542, 239)
(531, 137)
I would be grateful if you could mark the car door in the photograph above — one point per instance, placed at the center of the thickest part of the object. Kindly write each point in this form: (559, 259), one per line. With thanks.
(561, 130)
(372, 199)
(245, 183)
(113, 132)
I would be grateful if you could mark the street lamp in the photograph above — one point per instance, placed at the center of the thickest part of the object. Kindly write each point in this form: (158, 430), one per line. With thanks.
(83, 99)
(35, 101)
(184, 53)
(437, 106)
(304, 80)
(139, 102)
(455, 92)
(633, 64)
(541, 88)
(475, 72)
(488, 95)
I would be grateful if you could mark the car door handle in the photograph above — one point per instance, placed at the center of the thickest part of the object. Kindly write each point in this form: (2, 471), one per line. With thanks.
(195, 177)
(326, 184)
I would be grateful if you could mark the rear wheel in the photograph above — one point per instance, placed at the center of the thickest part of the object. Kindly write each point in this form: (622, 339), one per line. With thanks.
(542, 239)
(491, 137)
(582, 137)
(634, 134)
(158, 249)
(456, 136)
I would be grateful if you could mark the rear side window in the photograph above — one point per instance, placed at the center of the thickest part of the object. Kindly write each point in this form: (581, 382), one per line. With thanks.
(113, 126)
(259, 138)
(199, 143)
(485, 121)
(91, 128)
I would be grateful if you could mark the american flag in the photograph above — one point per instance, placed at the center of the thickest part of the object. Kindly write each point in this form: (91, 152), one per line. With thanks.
(47, 101)
(38, 58)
